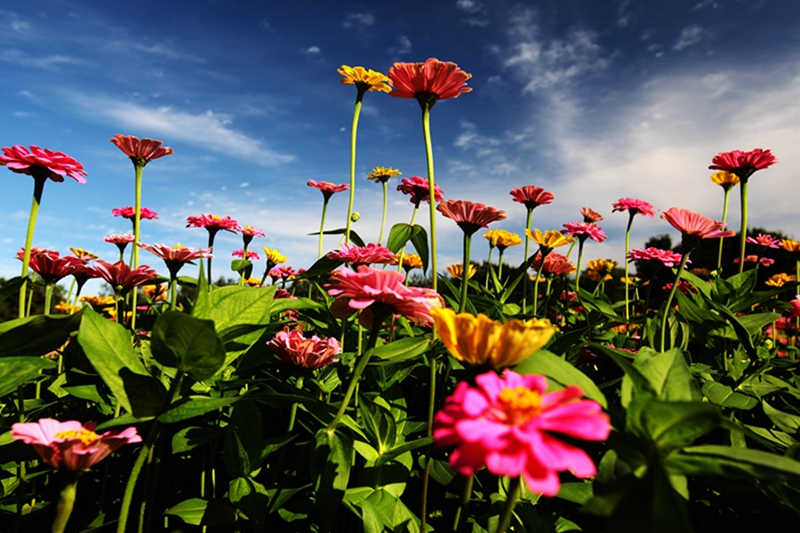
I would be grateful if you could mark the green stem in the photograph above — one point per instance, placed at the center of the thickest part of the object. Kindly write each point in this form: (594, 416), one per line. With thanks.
(211, 235)
(724, 219)
(353, 134)
(66, 501)
(173, 292)
(500, 266)
(669, 301)
(578, 266)
(465, 274)
(38, 188)
(743, 231)
(48, 298)
(426, 131)
(627, 267)
(544, 251)
(460, 525)
(136, 236)
(293, 413)
(508, 510)
(322, 226)
(527, 249)
(426, 476)
(489, 265)
(383, 218)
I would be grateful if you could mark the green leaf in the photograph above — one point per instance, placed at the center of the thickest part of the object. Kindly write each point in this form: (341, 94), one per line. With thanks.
(700, 284)
(399, 236)
(400, 350)
(145, 393)
(187, 343)
(672, 425)
(403, 448)
(378, 423)
(358, 241)
(330, 467)
(36, 335)
(251, 499)
(560, 371)
(733, 461)
(11, 288)
(668, 373)
(191, 511)
(634, 379)
(420, 241)
(191, 437)
(576, 492)
(240, 265)
(754, 323)
(194, 406)
(243, 437)
(323, 266)
(234, 305)
(14, 371)
(725, 396)
(785, 421)
(109, 348)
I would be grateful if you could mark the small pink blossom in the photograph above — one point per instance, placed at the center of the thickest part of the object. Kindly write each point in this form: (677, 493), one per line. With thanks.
(363, 255)
(470, 216)
(252, 255)
(795, 306)
(311, 353)
(327, 188)
(767, 241)
(684, 286)
(129, 212)
(213, 223)
(116, 238)
(532, 196)
(282, 272)
(634, 207)
(584, 230)
(665, 257)
(419, 189)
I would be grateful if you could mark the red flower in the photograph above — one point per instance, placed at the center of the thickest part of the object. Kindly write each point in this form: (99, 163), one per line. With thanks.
(532, 196)
(52, 267)
(45, 163)
(470, 216)
(141, 151)
(428, 82)
(695, 227)
(510, 425)
(312, 353)
(684, 286)
(175, 256)
(767, 241)
(121, 277)
(380, 292)
(213, 223)
(590, 215)
(419, 190)
(363, 255)
(328, 189)
(665, 257)
(71, 445)
(584, 230)
(554, 263)
(130, 213)
(634, 207)
(743, 164)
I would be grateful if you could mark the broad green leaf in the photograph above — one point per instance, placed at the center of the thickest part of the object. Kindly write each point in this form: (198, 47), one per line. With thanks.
(419, 238)
(732, 461)
(243, 437)
(576, 492)
(234, 305)
(634, 380)
(191, 437)
(403, 448)
(194, 406)
(330, 467)
(754, 323)
(191, 511)
(369, 518)
(668, 373)
(400, 350)
(250, 498)
(561, 372)
(725, 396)
(399, 235)
(11, 288)
(378, 423)
(785, 421)
(145, 393)
(187, 343)
(698, 283)
(240, 265)
(15, 371)
(672, 425)
(358, 241)
(36, 335)
(323, 266)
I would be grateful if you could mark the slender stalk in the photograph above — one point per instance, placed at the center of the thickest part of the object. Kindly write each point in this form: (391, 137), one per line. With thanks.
(489, 264)
(137, 219)
(211, 234)
(385, 203)
(465, 275)
(500, 265)
(66, 501)
(544, 251)
(322, 226)
(578, 267)
(38, 188)
(173, 292)
(724, 219)
(508, 510)
(426, 131)
(527, 249)
(48, 298)
(627, 266)
(460, 525)
(426, 475)
(353, 134)
(743, 231)
(669, 301)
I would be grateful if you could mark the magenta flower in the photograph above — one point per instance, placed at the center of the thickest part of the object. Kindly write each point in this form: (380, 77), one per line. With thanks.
(282, 272)
(584, 230)
(470, 216)
(116, 238)
(665, 257)
(50, 265)
(121, 277)
(356, 256)
(684, 286)
(213, 223)
(510, 425)
(251, 254)
(763, 261)
(249, 232)
(590, 215)
(695, 227)
(418, 189)
(71, 445)
(767, 241)
(634, 207)
(141, 151)
(129, 212)
(381, 293)
(743, 164)
(42, 163)
(532, 196)
(328, 189)
(766, 261)
(312, 353)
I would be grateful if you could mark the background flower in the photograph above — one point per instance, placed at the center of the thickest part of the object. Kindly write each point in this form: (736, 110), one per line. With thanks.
(42, 162)
(295, 349)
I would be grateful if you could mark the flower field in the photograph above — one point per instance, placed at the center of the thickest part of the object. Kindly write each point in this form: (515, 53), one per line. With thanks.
(375, 390)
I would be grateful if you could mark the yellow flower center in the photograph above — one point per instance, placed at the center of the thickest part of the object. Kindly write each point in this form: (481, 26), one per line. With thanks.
(178, 246)
(216, 217)
(84, 435)
(520, 404)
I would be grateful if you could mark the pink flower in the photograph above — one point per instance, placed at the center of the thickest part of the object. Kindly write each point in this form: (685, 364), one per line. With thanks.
(141, 151)
(752, 258)
(419, 190)
(328, 189)
(71, 445)
(249, 232)
(52, 267)
(129, 212)
(634, 207)
(554, 263)
(116, 238)
(667, 258)
(695, 227)
(428, 82)
(213, 223)
(470, 216)
(121, 277)
(767, 241)
(363, 255)
(584, 230)
(766, 261)
(743, 164)
(590, 215)
(684, 286)
(251, 254)
(312, 353)
(380, 292)
(282, 272)
(795, 306)
(510, 425)
(45, 163)
(532, 196)
(175, 256)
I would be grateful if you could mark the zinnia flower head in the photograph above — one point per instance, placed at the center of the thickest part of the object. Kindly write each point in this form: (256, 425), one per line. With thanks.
(419, 190)
(312, 353)
(634, 207)
(327, 188)
(122, 277)
(502, 239)
(470, 216)
(71, 445)
(157, 292)
(584, 230)
(549, 239)
(666, 257)
(726, 180)
(795, 306)
(790, 246)
(554, 264)
(780, 279)
(695, 227)
(42, 163)
(129, 212)
(456, 270)
(51, 266)
(383, 174)
(510, 425)
(117, 238)
(428, 82)
(66, 308)
(363, 255)
(590, 215)
(684, 286)
(283, 272)
(379, 293)
(141, 151)
(410, 261)
(743, 164)
(481, 341)
(364, 80)
(630, 280)
(213, 223)
(532, 196)
(250, 231)
(252, 255)
(767, 241)
(601, 265)
(274, 256)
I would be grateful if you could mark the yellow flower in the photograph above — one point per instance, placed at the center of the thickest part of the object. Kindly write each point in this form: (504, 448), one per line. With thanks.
(83, 254)
(630, 280)
(595, 276)
(67, 309)
(790, 246)
(550, 239)
(457, 271)
(98, 301)
(481, 341)
(725, 179)
(274, 256)
(779, 280)
(540, 279)
(601, 265)
(156, 293)
(502, 238)
(382, 174)
(363, 79)
(252, 282)
(409, 260)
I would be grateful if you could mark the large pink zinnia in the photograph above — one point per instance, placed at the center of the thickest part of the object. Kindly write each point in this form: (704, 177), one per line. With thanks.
(665, 257)
(428, 82)
(584, 230)
(634, 207)
(328, 189)
(532, 196)
(42, 162)
(213, 223)
(694, 226)
(470, 216)
(509, 424)
(381, 293)
(129, 212)
(363, 255)
(312, 353)
(50, 265)
(743, 164)
(71, 445)
(419, 189)
(121, 277)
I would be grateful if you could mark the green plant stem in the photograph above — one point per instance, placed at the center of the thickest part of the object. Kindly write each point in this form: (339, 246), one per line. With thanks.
(293, 413)
(173, 292)
(211, 235)
(137, 219)
(385, 204)
(460, 525)
(743, 231)
(426, 131)
(489, 266)
(465, 275)
(322, 226)
(724, 220)
(500, 265)
(544, 251)
(48, 298)
(38, 188)
(627, 267)
(426, 475)
(669, 301)
(66, 501)
(578, 266)
(527, 249)
(353, 135)
(508, 510)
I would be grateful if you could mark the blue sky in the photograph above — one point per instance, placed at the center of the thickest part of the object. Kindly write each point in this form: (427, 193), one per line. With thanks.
(593, 100)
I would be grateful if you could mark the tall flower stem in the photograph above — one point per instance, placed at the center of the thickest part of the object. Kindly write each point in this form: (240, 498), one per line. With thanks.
(48, 298)
(743, 231)
(66, 501)
(724, 219)
(627, 265)
(508, 510)
(211, 234)
(383, 218)
(460, 525)
(322, 225)
(465, 275)
(489, 265)
(500, 265)
(578, 268)
(353, 135)
(527, 249)
(137, 219)
(426, 475)
(426, 131)
(38, 188)
(544, 251)
(669, 301)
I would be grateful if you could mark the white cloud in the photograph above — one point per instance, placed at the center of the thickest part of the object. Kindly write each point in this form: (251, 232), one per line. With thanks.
(358, 20)
(245, 184)
(48, 62)
(311, 51)
(470, 6)
(401, 46)
(689, 36)
(476, 10)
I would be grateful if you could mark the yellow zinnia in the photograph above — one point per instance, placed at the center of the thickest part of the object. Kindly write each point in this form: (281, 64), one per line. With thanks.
(457, 271)
(363, 79)
(382, 174)
(790, 246)
(274, 256)
(481, 341)
(549, 239)
(725, 179)
(502, 238)
(409, 260)
(780, 279)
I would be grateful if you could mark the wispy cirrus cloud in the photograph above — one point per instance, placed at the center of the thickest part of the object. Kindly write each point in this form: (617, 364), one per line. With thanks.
(689, 36)
(46, 62)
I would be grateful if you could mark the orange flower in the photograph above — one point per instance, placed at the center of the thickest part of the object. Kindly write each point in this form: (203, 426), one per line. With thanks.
(456, 271)
(428, 82)
(364, 80)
